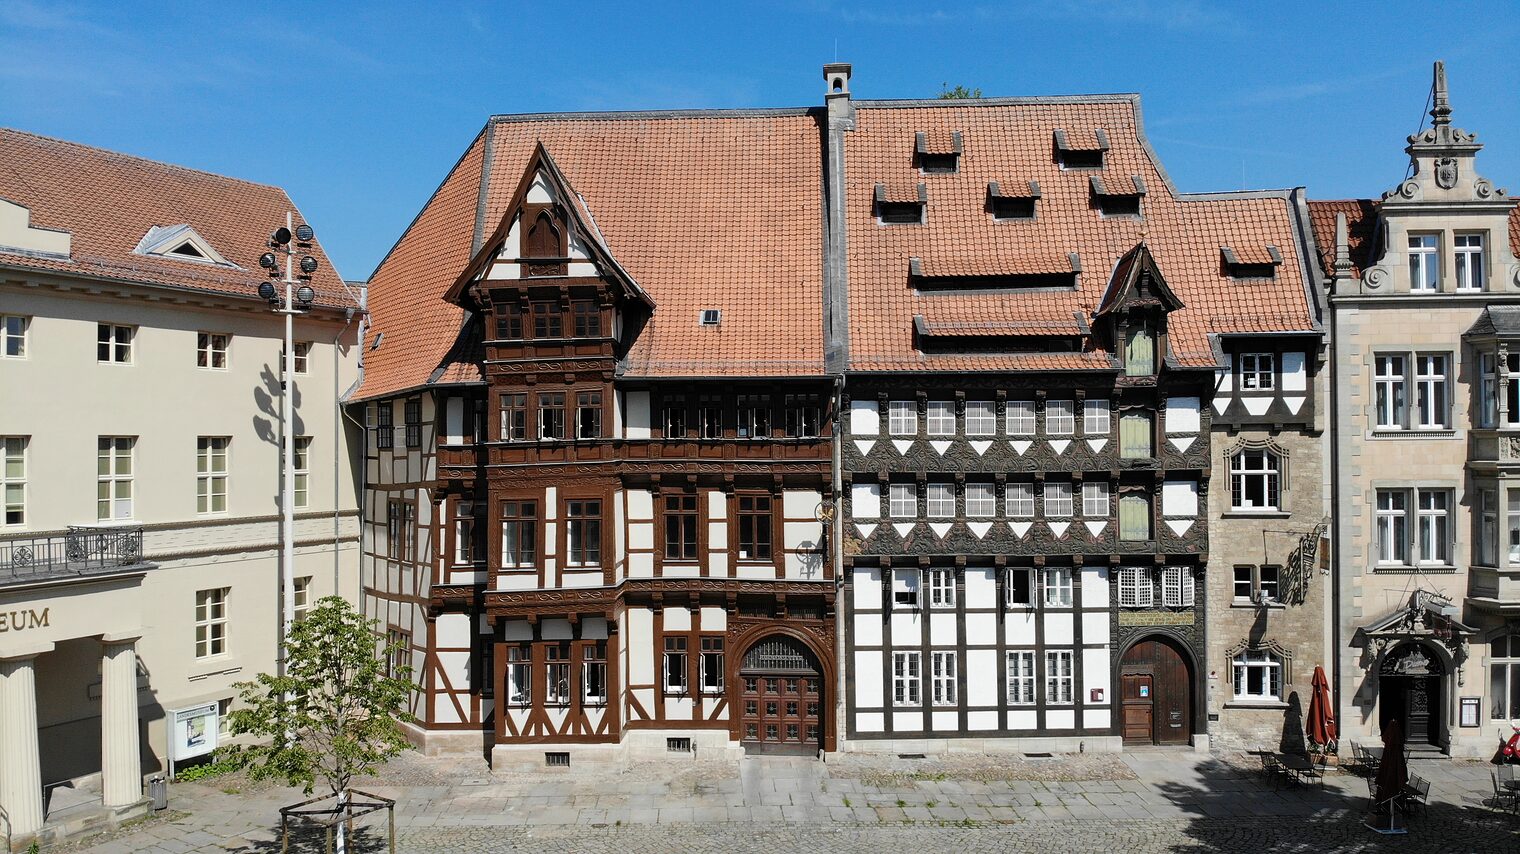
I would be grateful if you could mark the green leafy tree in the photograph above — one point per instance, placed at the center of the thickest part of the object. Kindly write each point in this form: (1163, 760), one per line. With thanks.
(337, 711)
(958, 93)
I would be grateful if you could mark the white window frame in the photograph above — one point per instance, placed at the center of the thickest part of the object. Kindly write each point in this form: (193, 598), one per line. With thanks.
(1097, 418)
(1259, 466)
(1056, 587)
(599, 666)
(1258, 371)
(1433, 527)
(981, 418)
(119, 343)
(112, 450)
(1391, 401)
(13, 479)
(673, 679)
(519, 675)
(939, 418)
(981, 499)
(1058, 677)
(939, 500)
(1136, 590)
(902, 500)
(1058, 504)
(557, 692)
(942, 670)
(1177, 588)
(1019, 418)
(1468, 249)
(13, 332)
(1031, 588)
(1392, 528)
(303, 357)
(907, 672)
(1020, 687)
(212, 482)
(709, 668)
(906, 588)
(941, 588)
(213, 351)
(1060, 418)
(301, 463)
(1432, 391)
(902, 417)
(300, 601)
(211, 622)
(1424, 263)
(1018, 500)
(1095, 499)
(464, 533)
(1262, 662)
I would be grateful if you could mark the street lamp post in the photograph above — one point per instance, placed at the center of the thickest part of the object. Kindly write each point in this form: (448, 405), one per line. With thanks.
(296, 299)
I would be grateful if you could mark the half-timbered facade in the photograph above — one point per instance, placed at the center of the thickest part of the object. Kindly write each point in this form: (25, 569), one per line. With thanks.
(1030, 341)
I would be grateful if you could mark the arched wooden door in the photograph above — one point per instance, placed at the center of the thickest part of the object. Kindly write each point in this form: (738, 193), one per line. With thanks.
(1410, 690)
(781, 702)
(1156, 694)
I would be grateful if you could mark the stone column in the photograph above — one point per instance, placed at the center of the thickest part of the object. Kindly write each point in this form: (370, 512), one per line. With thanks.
(20, 771)
(120, 763)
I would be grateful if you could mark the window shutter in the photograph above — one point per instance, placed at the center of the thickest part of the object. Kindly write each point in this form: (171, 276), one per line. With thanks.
(1134, 518)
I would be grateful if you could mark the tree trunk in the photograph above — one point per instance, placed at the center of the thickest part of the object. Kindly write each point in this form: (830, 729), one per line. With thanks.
(343, 823)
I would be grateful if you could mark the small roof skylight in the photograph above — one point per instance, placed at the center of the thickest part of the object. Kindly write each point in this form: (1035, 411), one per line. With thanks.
(180, 242)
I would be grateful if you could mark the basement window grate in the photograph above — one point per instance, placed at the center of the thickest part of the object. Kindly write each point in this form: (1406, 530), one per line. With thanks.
(678, 745)
(910, 756)
(557, 760)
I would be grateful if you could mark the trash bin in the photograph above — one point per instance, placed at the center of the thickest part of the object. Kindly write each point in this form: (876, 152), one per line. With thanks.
(158, 790)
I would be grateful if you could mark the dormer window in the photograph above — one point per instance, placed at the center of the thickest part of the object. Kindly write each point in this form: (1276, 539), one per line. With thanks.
(937, 152)
(901, 205)
(1139, 348)
(1247, 263)
(1013, 200)
(180, 242)
(1120, 199)
(711, 316)
(1081, 151)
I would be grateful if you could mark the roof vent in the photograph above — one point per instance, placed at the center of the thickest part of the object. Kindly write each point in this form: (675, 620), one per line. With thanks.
(711, 316)
(1117, 200)
(1251, 264)
(180, 242)
(937, 152)
(899, 205)
(1012, 201)
(1081, 151)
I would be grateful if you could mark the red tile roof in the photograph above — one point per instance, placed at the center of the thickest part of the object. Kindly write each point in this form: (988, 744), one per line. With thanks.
(108, 202)
(1361, 228)
(1004, 138)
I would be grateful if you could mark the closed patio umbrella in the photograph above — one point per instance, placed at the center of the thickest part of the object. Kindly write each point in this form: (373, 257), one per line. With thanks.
(1321, 712)
(1393, 773)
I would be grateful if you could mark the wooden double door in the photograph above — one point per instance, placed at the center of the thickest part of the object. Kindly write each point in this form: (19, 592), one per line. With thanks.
(1155, 694)
(780, 699)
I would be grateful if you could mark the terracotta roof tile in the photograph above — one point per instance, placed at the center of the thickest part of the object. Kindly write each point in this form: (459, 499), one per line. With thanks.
(1184, 234)
(1032, 261)
(108, 202)
(939, 141)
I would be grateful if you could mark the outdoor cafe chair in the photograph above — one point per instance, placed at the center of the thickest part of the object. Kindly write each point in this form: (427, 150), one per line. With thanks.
(1416, 793)
(1504, 798)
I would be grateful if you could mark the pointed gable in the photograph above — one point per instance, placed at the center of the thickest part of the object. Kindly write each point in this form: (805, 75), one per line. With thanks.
(546, 230)
(1137, 280)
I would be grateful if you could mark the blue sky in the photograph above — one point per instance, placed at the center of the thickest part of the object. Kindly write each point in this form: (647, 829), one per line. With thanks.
(358, 109)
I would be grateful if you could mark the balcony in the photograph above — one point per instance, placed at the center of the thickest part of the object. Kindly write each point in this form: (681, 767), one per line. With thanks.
(79, 553)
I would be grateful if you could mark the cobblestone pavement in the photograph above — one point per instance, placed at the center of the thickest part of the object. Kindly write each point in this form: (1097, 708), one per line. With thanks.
(1142, 801)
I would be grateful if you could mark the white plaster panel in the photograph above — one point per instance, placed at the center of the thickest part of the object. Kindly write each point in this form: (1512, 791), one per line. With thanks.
(868, 679)
(865, 418)
(945, 721)
(582, 268)
(717, 504)
(981, 720)
(865, 501)
(640, 535)
(1095, 627)
(680, 570)
(1096, 719)
(907, 629)
(714, 619)
(678, 708)
(636, 405)
(870, 722)
(641, 566)
(455, 665)
(754, 572)
(981, 677)
(1095, 673)
(1021, 719)
(1018, 628)
(981, 629)
(444, 711)
(804, 565)
(1059, 629)
(581, 579)
(1182, 415)
(1226, 382)
(717, 564)
(802, 535)
(539, 192)
(907, 721)
(1295, 377)
(1060, 718)
(677, 620)
(867, 584)
(594, 628)
(1256, 405)
(640, 641)
(517, 630)
(551, 506)
(557, 629)
(640, 505)
(717, 535)
(452, 630)
(981, 588)
(867, 630)
(1179, 498)
(942, 629)
(517, 581)
(800, 503)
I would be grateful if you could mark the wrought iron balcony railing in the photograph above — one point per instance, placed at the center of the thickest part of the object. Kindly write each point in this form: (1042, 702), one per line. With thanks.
(81, 551)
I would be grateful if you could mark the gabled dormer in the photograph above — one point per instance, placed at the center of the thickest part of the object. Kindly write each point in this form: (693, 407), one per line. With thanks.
(1444, 232)
(179, 243)
(1132, 315)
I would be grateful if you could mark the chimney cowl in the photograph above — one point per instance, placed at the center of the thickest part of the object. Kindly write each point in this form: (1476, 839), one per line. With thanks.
(837, 74)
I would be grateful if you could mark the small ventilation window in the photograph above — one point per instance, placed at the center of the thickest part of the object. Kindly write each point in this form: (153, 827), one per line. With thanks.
(901, 206)
(937, 153)
(557, 760)
(1258, 264)
(678, 745)
(711, 316)
(1118, 200)
(1087, 153)
(1013, 201)
(188, 250)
